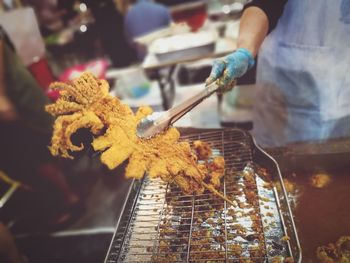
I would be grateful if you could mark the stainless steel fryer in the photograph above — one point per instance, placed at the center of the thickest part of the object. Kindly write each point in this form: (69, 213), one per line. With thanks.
(159, 223)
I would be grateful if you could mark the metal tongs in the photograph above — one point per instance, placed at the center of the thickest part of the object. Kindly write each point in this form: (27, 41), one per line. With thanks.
(157, 122)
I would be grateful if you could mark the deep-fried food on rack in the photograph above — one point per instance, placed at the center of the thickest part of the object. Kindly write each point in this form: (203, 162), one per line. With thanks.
(216, 170)
(86, 103)
(203, 149)
(290, 186)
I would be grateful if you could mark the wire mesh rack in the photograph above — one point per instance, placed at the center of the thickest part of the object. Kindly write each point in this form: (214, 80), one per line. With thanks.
(161, 224)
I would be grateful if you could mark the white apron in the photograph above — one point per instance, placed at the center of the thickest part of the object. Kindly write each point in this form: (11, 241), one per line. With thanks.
(303, 78)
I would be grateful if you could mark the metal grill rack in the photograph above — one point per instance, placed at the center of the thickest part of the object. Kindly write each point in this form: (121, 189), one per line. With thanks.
(161, 224)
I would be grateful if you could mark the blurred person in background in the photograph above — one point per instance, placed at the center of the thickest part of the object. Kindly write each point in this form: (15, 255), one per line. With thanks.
(303, 80)
(50, 15)
(54, 15)
(143, 17)
(25, 130)
(176, 2)
(8, 250)
(109, 24)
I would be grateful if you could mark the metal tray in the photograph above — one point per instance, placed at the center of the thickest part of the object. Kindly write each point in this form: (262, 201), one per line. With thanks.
(188, 53)
(160, 224)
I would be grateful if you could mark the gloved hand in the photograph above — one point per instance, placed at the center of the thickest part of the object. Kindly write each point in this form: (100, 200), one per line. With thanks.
(231, 67)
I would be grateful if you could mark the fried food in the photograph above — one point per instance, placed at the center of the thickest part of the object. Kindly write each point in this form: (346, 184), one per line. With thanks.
(290, 186)
(335, 253)
(320, 180)
(86, 103)
(203, 149)
(216, 170)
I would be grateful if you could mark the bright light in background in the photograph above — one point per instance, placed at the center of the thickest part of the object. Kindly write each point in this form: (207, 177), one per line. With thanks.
(83, 7)
(237, 7)
(36, 59)
(83, 28)
(226, 9)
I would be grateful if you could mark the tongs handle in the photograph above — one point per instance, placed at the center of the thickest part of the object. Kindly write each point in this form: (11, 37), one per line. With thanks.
(180, 110)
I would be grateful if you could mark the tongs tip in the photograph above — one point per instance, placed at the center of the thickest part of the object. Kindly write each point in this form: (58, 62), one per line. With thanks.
(150, 125)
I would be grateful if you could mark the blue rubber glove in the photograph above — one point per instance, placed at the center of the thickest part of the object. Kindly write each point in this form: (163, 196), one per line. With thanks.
(231, 67)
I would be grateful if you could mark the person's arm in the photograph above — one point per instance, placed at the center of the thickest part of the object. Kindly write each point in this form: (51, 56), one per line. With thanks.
(2, 80)
(7, 109)
(257, 20)
(8, 250)
(253, 29)
(252, 32)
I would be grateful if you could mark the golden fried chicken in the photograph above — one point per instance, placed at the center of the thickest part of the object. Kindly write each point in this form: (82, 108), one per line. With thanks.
(86, 103)
(218, 164)
(203, 149)
(217, 170)
(214, 169)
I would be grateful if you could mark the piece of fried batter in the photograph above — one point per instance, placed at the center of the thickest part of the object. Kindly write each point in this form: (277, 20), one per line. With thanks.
(217, 170)
(86, 103)
(320, 180)
(203, 149)
(337, 253)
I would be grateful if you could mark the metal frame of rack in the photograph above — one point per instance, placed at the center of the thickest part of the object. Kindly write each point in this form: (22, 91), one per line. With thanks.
(159, 223)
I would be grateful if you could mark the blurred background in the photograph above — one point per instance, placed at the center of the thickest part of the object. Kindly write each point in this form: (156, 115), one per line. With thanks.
(153, 53)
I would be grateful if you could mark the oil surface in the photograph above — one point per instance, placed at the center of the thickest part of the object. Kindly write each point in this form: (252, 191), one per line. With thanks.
(322, 215)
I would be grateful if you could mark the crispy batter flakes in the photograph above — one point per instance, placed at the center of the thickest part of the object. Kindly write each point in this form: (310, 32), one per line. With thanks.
(335, 253)
(86, 103)
(320, 180)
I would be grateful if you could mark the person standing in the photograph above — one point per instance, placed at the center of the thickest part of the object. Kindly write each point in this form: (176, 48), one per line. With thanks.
(26, 129)
(109, 24)
(303, 80)
(144, 17)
